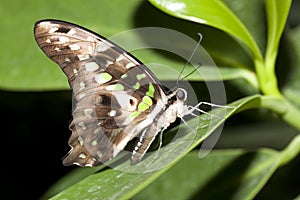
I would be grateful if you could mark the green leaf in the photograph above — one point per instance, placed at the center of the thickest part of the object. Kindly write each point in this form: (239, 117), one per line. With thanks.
(277, 13)
(204, 73)
(234, 174)
(291, 88)
(256, 25)
(213, 13)
(71, 178)
(122, 183)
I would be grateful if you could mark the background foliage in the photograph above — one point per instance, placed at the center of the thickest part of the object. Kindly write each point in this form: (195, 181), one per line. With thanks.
(261, 160)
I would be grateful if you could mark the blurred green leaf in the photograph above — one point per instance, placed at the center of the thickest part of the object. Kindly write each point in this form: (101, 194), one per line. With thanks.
(213, 13)
(277, 13)
(291, 88)
(223, 174)
(255, 25)
(71, 178)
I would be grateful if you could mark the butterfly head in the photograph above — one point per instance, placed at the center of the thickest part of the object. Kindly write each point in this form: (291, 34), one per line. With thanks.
(181, 94)
(178, 98)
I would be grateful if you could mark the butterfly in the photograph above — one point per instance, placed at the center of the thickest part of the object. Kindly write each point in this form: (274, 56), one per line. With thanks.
(116, 98)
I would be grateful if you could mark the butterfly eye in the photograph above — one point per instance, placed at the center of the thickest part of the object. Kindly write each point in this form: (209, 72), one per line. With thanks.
(132, 102)
(181, 94)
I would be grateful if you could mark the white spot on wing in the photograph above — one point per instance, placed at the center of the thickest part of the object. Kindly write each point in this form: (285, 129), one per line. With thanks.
(81, 95)
(80, 140)
(82, 155)
(91, 66)
(108, 62)
(124, 76)
(121, 57)
(133, 152)
(45, 23)
(99, 154)
(139, 144)
(88, 112)
(71, 32)
(74, 47)
(129, 65)
(83, 57)
(90, 39)
(52, 30)
(112, 113)
(89, 164)
(102, 47)
(48, 41)
(82, 125)
(121, 145)
(75, 71)
(94, 143)
(63, 39)
(97, 130)
(82, 85)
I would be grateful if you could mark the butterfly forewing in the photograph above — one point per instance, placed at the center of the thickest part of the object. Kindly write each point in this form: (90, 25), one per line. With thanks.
(114, 93)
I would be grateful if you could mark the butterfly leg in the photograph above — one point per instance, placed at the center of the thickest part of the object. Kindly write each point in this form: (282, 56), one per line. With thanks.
(144, 142)
(190, 109)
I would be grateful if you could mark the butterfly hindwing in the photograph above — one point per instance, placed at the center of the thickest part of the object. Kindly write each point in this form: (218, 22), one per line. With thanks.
(114, 94)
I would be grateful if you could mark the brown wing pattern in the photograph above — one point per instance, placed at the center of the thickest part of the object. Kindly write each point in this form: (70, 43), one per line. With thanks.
(108, 87)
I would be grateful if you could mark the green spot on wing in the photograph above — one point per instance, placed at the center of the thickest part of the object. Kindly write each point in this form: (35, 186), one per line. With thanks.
(124, 76)
(151, 90)
(103, 78)
(140, 76)
(106, 76)
(147, 100)
(136, 86)
(142, 106)
(135, 114)
(115, 87)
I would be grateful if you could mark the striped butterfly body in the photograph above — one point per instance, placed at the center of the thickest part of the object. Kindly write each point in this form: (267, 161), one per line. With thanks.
(116, 98)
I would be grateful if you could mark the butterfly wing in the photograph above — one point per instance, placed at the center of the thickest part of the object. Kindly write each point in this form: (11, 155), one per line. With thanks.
(113, 92)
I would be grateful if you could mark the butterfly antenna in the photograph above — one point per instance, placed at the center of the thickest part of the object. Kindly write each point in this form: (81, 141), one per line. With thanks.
(189, 60)
(198, 66)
